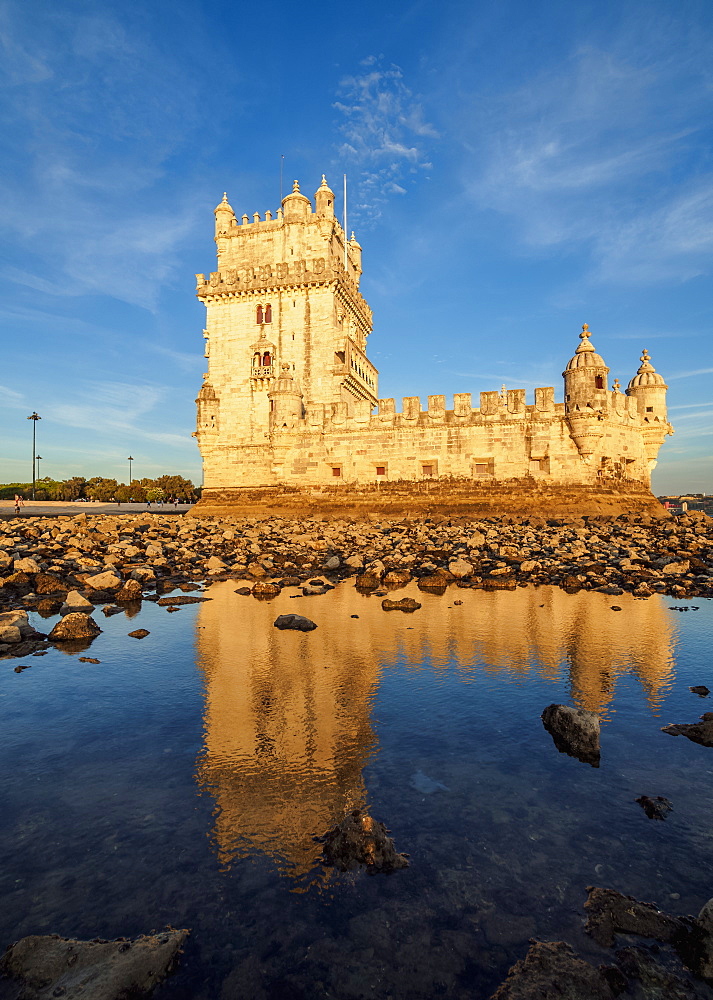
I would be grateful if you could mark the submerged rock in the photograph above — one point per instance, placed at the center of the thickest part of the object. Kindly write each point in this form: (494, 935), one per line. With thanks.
(297, 622)
(551, 969)
(361, 840)
(139, 633)
(701, 690)
(609, 912)
(420, 782)
(655, 808)
(74, 625)
(575, 731)
(131, 591)
(405, 604)
(699, 732)
(51, 966)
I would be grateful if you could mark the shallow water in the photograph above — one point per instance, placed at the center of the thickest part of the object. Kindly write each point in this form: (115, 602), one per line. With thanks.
(183, 780)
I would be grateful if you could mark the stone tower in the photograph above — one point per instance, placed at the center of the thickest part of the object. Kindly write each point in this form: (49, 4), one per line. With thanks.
(286, 330)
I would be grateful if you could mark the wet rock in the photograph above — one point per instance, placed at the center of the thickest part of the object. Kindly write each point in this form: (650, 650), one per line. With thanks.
(551, 969)
(361, 840)
(139, 633)
(27, 565)
(104, 581)
(397, 578)
(297, 622)
(658, 982)
(51, 966)
(575, 731)
(47, 583)
(405, 604)
(130, 591)
(368, 581)
(188, 599)
(110, 609)
(699, 732)
(424, 785)
(264, 590)
(700, 955)
(88, 659)
(49, 607)
(609, 912)
(74, 626)
(460, 568)
(244, 591)
(701, 690)
(74, 601)
(435, 583)
(655, 808)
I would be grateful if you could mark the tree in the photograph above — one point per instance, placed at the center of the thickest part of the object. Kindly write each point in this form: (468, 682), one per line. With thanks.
(155, 493)
(176, 486)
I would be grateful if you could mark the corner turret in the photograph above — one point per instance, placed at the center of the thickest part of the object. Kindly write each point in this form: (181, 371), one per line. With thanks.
(585, 395)
(224, 216)
(324, 200)
(286, 401)
(649, 390)
(296, 207)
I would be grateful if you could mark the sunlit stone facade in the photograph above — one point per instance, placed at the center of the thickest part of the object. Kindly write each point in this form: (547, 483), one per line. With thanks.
(290, 396)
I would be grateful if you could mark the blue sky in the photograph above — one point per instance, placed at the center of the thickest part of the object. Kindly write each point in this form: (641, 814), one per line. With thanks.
(516, 168)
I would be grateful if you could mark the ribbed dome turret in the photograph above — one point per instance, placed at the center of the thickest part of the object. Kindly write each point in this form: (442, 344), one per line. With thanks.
(585, 356)
(296, 206)
(647, 374)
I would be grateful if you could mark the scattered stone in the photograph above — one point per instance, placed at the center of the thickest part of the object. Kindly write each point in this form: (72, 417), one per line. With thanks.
(243, 591)
(23, 666)
(46, 583)
(88, 659)
(701, 690)
(27, 565)
(139, 633)
(52, 966)
(104, 581)
(361, 840)
(655, 808)
(405, 604)
(699, 732)
(297, 622)
(74, 601)
(551, 969)
(74, 625)
(131, 591)
(110, 609)
(575, 731)
(609, 912)
(182, 599)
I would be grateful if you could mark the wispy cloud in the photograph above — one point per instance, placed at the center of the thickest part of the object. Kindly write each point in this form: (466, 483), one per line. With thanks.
(692, 373)
(386, 135)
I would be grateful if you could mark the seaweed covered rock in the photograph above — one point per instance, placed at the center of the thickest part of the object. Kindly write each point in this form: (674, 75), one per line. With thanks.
(575, 731)
(655, 808)
(361, 840)
(74, 626)
(52, 966)
(609, 912)
(551, 969)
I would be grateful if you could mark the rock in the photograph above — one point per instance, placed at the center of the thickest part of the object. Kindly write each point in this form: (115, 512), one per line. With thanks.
(657, 808)
(139, 633)
(104, 581)
(74, 601)
(368, 581)
(263, 589)
(334, 562)
(131, 591)
(186, 599)
(144, 574)
(46, 583)
(551, 969)
(215, 564)
(73, 626)
(701, 690)
(609, 912)
(243, 591)
(397, 578)
(460, 568)
(297, 622)
(575, 731)
(424, 785)
(51, 966)
(405, 604)
(27, 565)
(10, 634)
(361, 840)
(676, 568)
(699, 732)
(702, 954)
(656, 980)
(88, 659)
(435, 583)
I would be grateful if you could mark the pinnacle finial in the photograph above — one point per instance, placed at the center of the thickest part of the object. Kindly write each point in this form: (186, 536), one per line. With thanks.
(351, 239)
(616, 387)
(225, 197)
(585, 345)
(646, 365)
(295, 187)
(324, 182)
(585, 332)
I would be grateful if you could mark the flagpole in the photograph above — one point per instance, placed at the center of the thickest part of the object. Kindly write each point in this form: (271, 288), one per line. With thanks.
(345, 223)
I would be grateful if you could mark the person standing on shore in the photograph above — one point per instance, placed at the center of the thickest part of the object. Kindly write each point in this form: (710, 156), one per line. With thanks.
(19, 502)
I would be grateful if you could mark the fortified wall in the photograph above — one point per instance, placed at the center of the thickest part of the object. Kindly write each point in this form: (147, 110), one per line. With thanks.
(290, 398)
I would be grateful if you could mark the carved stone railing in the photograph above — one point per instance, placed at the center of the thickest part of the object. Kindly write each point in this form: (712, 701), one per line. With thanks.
(262, 371)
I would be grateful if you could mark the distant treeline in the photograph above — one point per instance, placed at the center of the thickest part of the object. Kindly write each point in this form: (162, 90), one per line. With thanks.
(98, 488)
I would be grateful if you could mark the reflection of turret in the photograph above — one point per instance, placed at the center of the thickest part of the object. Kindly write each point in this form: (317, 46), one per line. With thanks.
(286, 401)
(288, 727)
(585, 399)
(649, 390)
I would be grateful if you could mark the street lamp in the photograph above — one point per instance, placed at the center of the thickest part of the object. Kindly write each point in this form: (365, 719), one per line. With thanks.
(38, 459)
(130, 460)
(34, 417)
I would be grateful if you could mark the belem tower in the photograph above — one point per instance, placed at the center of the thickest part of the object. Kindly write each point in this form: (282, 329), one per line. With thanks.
(291, 398)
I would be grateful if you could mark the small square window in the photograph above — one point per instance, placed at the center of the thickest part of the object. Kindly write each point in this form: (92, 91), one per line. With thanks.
(481, 468)
(336, 471)
(649, 409)
(381, 470)
(427, 470)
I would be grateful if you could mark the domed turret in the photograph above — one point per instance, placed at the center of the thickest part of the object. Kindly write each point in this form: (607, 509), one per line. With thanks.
(296, 206)
(649, 390)
(355, 253)
(324, 199)
(224, 216)
(286, 401)
(585, 395)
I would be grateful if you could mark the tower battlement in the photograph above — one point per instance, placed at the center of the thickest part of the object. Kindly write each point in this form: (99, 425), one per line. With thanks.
(291, 397)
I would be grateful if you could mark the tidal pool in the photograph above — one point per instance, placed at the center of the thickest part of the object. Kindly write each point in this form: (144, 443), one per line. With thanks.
(182, 780)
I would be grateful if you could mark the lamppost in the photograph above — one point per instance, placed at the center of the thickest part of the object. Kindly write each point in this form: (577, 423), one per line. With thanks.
(38, 459)
(34, 417)
(130, 460)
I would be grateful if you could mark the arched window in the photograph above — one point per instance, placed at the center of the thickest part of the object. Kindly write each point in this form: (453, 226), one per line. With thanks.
(267, 358)
(259, 314)
(268, 313)
(256, 360)
(598, 382)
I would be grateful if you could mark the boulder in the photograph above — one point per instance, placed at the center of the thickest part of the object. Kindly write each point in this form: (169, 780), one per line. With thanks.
(701, 690)
(46, 583)
(575, 731)
(10, 634)
(609, 912)
(702, 960)
(334, 562)
(405, 604)
(296, 622)
(27, 565)
(264, 590)
(551, 969)
(699, 732)
(397, 578)
(361, 840)
(104, 581)
(131, 591)
(74, 601)
(460, 568)
(73, 626)
(655, 808)
(139, 633)
(51, 966)
(144, 574)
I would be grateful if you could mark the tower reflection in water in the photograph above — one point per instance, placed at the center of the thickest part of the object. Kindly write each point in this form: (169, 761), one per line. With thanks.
(288, 715)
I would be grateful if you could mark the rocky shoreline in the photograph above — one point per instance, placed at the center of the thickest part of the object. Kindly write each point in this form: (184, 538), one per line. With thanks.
(72, 564)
